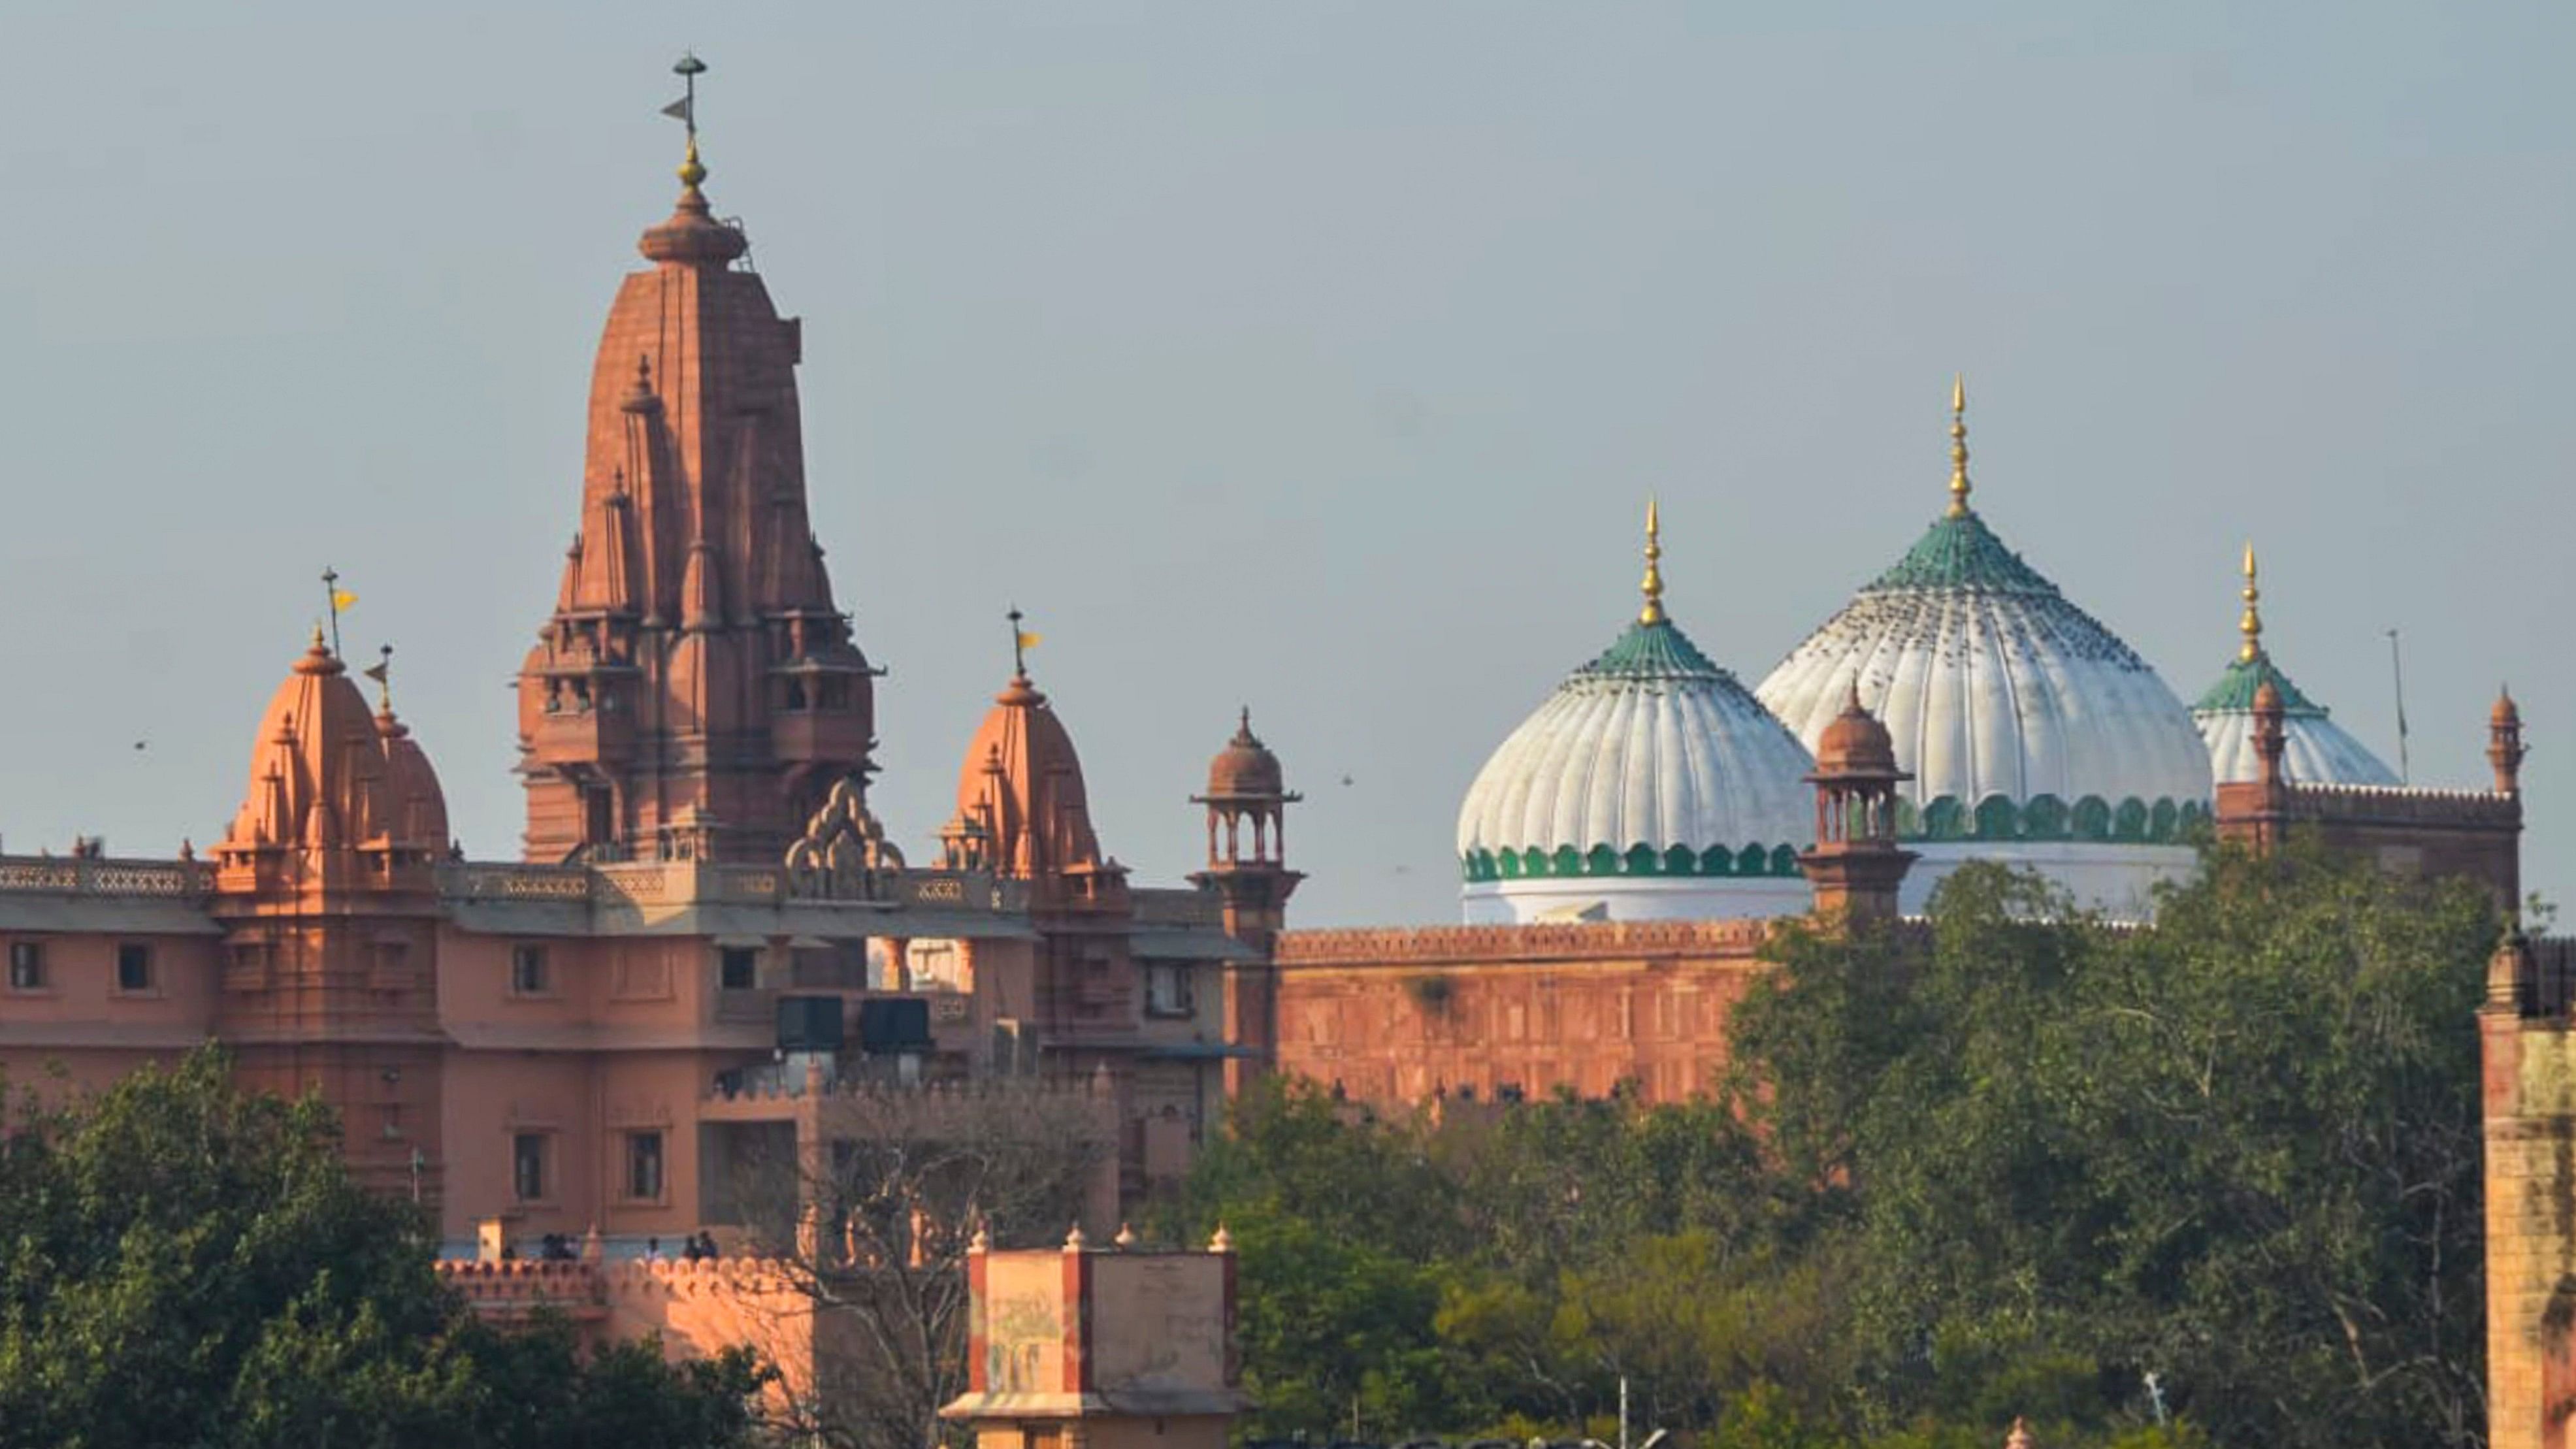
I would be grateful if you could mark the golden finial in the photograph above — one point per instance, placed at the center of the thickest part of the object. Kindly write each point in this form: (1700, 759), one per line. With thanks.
(688, 69)
(1958, 445)
(2251, 624)
(1653, 613)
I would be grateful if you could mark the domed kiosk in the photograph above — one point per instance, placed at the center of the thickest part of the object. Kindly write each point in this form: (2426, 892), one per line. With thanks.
(2034, 735)
(2315, 750)
(1650, 785)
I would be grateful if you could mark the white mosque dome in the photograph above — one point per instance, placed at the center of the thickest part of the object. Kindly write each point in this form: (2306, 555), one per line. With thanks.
(1649, 784)
(2316, 750)
(2035, 736)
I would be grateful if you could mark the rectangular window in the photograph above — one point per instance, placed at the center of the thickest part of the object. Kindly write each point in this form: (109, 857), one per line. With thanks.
(738, 968)
(26, 965)
(1167, 989)
(528, 1166)
(644, 1166)
(133, 966)
(528, 975)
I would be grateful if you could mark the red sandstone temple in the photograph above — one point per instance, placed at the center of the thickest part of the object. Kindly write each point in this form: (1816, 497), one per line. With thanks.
(712, 947)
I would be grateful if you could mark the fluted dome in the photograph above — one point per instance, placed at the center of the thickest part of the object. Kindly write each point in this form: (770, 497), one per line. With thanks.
(2019, 714)
(2315, 750)
(1649, 784)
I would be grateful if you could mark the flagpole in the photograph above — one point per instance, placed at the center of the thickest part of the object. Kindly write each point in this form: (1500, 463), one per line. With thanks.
(331, 597)
(2397, 673)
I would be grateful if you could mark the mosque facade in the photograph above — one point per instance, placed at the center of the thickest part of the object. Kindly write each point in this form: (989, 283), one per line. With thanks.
(1626, 847)
(712, 947)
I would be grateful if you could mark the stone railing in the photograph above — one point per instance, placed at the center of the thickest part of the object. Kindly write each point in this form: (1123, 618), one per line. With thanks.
(1540, 941)
(90, 876)
(779, 1083)
(679, 883)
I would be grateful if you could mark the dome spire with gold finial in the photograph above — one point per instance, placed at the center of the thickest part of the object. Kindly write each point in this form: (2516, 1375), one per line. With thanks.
(1959, 445)
(2250, 624)
(1653, 584)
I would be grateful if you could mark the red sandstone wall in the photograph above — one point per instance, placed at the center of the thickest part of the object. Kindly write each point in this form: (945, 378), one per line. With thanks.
(1396, 1016)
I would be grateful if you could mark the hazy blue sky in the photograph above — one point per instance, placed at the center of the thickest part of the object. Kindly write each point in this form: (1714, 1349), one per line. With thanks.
(1319, 356)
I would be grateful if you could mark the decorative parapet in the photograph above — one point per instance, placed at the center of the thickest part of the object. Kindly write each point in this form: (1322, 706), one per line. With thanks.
(1179, 908)
(513, 1289)
(1539, 941)
(2404, 805)
(91, 876)
(590, 1290)
(771, 1083)
(688, 883)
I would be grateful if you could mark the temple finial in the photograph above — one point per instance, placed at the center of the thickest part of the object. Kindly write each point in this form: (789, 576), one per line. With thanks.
(1959, 445)
(689, 68)
(1653, 584)
(2251, 623)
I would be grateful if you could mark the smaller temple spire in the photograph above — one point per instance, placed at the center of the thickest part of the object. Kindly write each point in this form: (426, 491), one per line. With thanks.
(2251, 623)
(1959, 485)
(1653, 583)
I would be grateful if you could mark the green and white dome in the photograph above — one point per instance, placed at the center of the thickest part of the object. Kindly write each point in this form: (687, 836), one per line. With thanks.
(2034, 735)
(1649, 784)
(2315, 750)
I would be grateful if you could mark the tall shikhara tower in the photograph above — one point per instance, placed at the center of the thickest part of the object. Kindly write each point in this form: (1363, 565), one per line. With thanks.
(696, 692)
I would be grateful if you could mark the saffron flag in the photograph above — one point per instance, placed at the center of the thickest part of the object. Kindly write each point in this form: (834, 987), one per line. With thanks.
(1028, 639)
(342, 599)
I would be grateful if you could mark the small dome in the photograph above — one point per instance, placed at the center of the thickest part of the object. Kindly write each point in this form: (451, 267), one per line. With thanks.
(1245, 767)
(1651, 757)
(1856, 744)
(2315, 750)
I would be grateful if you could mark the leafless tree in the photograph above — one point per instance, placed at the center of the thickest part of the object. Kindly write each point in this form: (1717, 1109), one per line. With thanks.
(872, 1224)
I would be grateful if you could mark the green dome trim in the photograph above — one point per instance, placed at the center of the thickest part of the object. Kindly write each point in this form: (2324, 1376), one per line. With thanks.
(1962, 553)
(2046, 817)
(1659, 650)
(2234, 691)
(1760, 862)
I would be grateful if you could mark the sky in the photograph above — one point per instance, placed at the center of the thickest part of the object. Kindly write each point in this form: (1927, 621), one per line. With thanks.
(1318, 357)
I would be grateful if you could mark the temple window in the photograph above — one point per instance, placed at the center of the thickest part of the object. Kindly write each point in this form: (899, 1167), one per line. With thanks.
(1167, 989)
(133, 967)
(529, 973)
(644, 1166)
(836, 692)
(26, 965)
(528, 1165)
(796, 694)
(737, 968)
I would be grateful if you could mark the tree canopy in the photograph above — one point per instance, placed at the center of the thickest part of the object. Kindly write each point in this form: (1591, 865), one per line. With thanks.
(183, 1263)
(2218, 1176)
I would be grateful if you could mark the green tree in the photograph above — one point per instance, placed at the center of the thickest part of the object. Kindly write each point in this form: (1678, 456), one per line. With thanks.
(2238, 1151)
(182, 1263)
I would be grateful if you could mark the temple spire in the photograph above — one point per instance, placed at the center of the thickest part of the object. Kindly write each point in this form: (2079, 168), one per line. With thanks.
(1653, 584)
(1959, 485)
(2250, 624)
